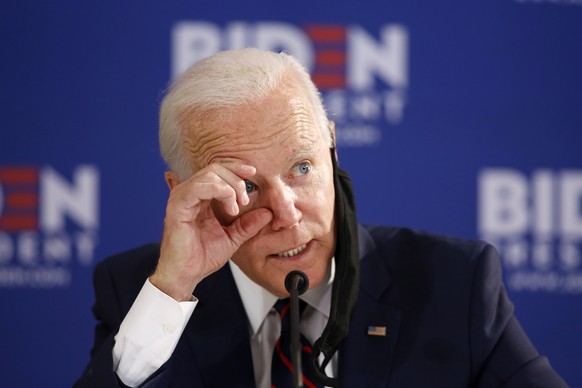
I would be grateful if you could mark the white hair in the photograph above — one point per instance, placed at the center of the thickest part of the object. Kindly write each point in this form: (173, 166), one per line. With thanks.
(226, 80)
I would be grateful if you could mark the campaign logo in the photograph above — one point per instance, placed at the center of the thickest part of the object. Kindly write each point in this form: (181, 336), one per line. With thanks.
(363, 77)
(48, 224)
(535, 222)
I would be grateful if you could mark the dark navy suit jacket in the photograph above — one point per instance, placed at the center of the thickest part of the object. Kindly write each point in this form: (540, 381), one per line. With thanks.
(449, 321)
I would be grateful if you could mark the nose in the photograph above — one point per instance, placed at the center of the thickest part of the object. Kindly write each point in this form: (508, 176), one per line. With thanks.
(281, 200)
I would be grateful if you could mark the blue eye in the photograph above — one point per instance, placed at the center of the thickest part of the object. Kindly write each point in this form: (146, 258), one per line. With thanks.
(250, 186)
(303, 168)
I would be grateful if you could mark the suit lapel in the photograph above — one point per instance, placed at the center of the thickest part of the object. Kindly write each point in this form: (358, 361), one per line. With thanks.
(219, 334)
(364, 358)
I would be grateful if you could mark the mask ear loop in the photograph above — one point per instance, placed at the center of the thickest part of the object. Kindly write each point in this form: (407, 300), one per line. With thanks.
(347, 277)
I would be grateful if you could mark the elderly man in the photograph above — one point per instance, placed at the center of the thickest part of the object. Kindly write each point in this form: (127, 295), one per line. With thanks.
(255, 193)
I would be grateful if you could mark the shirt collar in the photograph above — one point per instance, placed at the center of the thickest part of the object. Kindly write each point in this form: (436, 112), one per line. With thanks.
(257, 301)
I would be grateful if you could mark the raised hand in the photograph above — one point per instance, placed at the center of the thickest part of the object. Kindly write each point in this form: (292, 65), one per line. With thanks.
(196, 242)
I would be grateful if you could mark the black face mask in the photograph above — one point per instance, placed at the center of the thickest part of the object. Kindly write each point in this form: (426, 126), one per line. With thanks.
(347, 278)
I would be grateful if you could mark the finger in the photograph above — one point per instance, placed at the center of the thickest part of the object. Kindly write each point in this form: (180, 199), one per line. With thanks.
(234, 175)
(215, 182)
(186, 198)
(240, 169)
(235, 194)
(248, 225)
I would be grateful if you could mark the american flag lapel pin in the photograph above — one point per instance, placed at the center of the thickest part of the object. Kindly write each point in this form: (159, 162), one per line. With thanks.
(377, 331)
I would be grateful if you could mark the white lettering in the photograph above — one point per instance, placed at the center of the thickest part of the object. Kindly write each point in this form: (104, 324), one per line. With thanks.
(194, 41)
(13, 277)
(33, 250)
(542, 258)
(27, 244)
(571, 200)
(502, 202)
(543, 184)
(394, 102)
(57, 249)
(85, 243)
(79, 201)
(284, 37)
(515, 253)
(570, 257)
(366, 107)
(357, 135)
(386, 59)
(335, 102)
(546, 282)
(191, 42)
(236, 36)
(6, 248)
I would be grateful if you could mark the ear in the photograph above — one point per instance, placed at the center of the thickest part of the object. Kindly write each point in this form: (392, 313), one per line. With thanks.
(333, 138)
(171, 179)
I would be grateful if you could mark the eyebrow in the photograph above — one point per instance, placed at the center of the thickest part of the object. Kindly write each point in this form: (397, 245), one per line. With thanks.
(227, 159)
(302, 155)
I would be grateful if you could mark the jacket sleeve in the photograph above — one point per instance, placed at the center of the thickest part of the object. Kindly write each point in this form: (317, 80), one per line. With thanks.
(99, 372)
(111, 306)
(501, 353)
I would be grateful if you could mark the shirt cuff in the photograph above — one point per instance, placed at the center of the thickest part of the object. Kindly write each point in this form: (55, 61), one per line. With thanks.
(149, 334)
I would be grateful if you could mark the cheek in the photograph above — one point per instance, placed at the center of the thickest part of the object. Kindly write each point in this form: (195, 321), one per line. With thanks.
(323, 193)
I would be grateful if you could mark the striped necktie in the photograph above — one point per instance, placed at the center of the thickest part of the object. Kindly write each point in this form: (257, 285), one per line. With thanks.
(282, 367)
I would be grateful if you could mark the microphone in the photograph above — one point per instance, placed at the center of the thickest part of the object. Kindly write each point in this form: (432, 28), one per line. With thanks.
(296, 283)
(296, 280)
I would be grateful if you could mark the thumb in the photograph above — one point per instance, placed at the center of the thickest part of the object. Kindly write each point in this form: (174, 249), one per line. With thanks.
(248, 225)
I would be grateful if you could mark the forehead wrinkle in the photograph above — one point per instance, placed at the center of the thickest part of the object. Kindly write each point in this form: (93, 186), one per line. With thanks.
(206, 132)
(195, 134)
(202, 143)
(216, 144)
(217, 133)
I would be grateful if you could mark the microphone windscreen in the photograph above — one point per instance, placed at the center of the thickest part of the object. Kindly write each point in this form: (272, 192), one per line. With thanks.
(302, 282)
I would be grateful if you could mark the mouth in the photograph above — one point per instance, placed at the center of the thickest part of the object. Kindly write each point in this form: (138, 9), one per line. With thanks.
(292, 252)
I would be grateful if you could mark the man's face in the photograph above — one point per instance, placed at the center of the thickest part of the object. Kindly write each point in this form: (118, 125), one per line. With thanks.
(294, 180)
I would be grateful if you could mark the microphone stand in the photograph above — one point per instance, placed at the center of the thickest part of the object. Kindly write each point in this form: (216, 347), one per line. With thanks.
(296, 283)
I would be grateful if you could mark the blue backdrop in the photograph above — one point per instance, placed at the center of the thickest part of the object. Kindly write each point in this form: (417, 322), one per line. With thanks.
(461, 118)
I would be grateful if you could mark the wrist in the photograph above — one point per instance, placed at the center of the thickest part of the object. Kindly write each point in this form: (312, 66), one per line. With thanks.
(172, 287)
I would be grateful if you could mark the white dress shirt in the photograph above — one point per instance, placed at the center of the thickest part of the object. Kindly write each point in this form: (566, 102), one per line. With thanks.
(149, 334)
(154, 324)
(265, 325)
